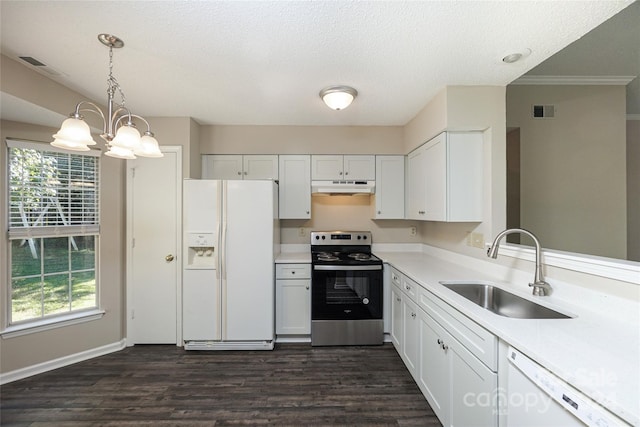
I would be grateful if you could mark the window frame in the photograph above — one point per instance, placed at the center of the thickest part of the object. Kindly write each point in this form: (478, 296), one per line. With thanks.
(91, 228)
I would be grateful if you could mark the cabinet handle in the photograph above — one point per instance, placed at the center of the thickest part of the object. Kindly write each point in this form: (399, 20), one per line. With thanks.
(245, 173)
(407, 287)
(346, 173)
(307, 212)
(340, 173)
(398, 299)
(421, 212)
(307, 287)
(413, 315)
(445, 347)
(379, 212)
(293, 272)
(440, 342)
(239, 173)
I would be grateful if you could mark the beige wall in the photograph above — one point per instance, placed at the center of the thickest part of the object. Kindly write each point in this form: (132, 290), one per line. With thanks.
(27, 350)
(347, 213)
(223, 139)
(573, 176)
(633, 189)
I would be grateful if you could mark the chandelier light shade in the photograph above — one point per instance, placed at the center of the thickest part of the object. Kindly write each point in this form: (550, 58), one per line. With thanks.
(338, 97)
(119, 131)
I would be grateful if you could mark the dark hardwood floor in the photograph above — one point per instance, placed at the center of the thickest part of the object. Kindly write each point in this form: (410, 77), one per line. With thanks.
(294, 385)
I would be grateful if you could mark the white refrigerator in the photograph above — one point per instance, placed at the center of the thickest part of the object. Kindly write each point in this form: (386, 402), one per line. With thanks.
(231, 238)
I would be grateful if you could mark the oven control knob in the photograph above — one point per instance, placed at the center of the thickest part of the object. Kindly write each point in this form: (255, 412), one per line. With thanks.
(364, 237)
(365, 301)
(359, 237)
(317, 237)
(324, 237)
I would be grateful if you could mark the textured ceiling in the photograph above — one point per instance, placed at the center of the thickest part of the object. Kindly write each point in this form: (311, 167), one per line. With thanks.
(236, 62)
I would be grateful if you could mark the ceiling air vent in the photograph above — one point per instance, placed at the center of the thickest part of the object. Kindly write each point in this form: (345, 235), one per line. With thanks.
(543, 111)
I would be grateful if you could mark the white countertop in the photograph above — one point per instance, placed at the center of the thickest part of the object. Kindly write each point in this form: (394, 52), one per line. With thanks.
(294, 258)
(597, 351)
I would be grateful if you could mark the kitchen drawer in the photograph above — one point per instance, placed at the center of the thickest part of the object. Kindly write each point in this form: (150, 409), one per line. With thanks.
(410, 288)
(480, 342)
(293, 271)
(396, 277)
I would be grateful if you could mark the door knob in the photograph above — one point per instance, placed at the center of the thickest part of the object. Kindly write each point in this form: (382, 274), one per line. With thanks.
(168, 258)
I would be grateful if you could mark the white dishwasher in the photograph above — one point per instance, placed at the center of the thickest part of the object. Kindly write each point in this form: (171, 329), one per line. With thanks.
(536, 397)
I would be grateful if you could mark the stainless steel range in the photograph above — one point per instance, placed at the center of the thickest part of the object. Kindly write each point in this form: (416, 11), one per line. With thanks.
(346, 290)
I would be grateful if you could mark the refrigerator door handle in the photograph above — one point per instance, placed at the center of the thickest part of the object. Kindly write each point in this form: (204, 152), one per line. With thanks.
(224, 231)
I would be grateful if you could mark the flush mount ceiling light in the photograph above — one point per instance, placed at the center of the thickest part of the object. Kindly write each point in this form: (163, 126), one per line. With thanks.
(338, 97)
(119, 130)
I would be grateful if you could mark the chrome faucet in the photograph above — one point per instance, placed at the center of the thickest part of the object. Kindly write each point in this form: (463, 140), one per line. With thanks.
(540, 287)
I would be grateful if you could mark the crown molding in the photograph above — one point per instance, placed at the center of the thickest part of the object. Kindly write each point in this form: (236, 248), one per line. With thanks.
(574, 80)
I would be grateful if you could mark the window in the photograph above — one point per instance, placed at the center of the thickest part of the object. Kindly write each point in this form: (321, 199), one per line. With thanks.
(53, 231)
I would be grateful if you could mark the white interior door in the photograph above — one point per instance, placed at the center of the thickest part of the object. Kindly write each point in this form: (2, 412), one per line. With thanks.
(153, 256)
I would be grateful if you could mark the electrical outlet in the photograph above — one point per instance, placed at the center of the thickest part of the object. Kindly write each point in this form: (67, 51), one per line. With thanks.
(301, 232)
(477, 240)
(413, 231)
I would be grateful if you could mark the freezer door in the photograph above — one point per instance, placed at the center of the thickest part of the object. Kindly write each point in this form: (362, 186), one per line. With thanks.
(248, 274)
(200, 306)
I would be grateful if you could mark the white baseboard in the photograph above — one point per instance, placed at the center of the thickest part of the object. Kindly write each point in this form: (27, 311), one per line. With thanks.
(50, 365)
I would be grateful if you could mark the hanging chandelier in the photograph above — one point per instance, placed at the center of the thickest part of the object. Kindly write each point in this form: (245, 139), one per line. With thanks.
(119, 131)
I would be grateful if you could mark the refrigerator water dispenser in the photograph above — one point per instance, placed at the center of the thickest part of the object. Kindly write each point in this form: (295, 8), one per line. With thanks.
(201, 250)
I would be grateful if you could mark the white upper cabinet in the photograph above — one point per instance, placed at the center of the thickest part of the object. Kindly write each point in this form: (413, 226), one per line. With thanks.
(295, 187)
(336, 168)
(227, 166)
(444, 179)
(389, 195)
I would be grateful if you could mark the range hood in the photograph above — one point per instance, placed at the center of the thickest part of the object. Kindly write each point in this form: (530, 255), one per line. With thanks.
(343, 187)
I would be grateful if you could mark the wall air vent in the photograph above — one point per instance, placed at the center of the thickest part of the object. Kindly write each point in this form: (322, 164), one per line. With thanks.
(543, 111)
(33, 61)
(40, 66)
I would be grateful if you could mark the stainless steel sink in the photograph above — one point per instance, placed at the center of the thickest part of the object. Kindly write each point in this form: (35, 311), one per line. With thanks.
(502, 302)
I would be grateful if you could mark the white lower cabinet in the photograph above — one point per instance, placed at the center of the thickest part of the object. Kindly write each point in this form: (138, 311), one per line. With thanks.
(410, 334)
(396, 317)
(452, 359)
(293, 299)
(459, 388)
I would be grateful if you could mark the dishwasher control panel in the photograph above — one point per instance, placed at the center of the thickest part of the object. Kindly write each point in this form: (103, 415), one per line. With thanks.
(576, 403)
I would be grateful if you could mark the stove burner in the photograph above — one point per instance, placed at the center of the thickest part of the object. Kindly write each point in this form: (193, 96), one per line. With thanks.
(359, 256)
(327, 257)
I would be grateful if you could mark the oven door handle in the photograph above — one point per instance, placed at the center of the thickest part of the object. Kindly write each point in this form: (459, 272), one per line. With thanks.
(347, 267)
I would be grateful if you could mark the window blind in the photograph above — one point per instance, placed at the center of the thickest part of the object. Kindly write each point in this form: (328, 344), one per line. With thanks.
(52, 192)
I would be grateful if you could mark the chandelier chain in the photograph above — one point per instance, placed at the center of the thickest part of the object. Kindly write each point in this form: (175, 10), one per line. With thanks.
(111, 81)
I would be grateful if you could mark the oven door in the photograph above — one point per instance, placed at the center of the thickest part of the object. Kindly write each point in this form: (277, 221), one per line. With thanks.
(346, 292)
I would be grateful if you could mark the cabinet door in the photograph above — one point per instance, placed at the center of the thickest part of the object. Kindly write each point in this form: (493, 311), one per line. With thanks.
(293, 307)
(473, 389)
(435, 184)
(326, 168)
(221, 166)
(464, 176)
(295, 187)
(396, 318)
(416, 178)
(260, 167)
(433, 375)
(361, 168)
(389, 195)
(410, 335)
